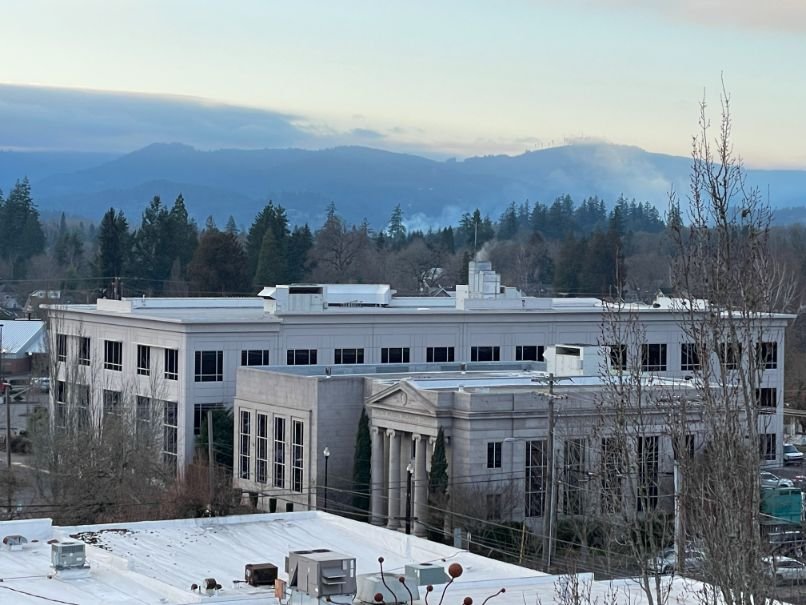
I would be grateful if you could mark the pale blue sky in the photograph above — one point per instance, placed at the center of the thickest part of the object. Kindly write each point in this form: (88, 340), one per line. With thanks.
(455, 77)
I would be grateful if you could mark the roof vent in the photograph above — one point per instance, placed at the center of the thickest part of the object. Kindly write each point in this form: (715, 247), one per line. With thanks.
(15, 542)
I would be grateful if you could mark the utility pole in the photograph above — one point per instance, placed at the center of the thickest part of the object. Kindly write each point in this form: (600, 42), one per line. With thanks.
(549, 505)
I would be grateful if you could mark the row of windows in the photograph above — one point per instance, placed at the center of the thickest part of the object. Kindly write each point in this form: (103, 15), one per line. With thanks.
(278, 443)
(113, 356)
(654, 356)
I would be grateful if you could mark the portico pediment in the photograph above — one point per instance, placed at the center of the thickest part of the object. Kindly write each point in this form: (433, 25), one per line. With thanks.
(403, 397)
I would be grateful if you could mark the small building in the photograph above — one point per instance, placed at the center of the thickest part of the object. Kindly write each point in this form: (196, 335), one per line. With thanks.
(23, 343)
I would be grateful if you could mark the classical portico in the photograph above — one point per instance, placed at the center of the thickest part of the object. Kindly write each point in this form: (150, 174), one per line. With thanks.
(404, 429)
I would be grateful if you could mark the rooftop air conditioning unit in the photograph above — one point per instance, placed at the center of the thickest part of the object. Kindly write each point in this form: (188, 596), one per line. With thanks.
(260, 574)
(389, 585)
(68, 555)
(320, 572)
(423, 574)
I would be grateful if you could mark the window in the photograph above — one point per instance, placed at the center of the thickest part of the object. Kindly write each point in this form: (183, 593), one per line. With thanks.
(82, 401)
(494, 506)
(169, 434)
(613, 471)
(61, 404)
(767, 397)
(485, 353)
(255, 357)
(535, 478)
(142, 425)
(647, 473)
(767, 446)
(395, 355)
(689, 357)
(200, 413)
(494, 454)
(767, 355)
(243, 443)
(439, 354)
(653, 357)
(143, 360)
(61, 347)
(209, 366)
(61, 391)
(279, 452)
(301, 357)
(687, 450)
(297, 454)
(575, 476)
(529, 353)
(171, 364)
(618, 357)
(729, 354)
(113, 355)
(262, 449)
(112, 403)
(83, 351)
(348, 356)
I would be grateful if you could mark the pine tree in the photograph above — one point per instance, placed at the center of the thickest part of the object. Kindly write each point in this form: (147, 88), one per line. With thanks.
(299, 246)
(21, 233)
(362, 464)
(396, 230)
(114, 245)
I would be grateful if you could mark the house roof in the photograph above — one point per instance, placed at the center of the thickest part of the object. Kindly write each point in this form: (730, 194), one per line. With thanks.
(158, 561)
(21, 337)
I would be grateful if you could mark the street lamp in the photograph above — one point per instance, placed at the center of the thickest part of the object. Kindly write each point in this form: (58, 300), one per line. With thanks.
(409, 472)
(326, 454)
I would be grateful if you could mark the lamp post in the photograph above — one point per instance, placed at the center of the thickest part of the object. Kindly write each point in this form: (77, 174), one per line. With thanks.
(326, 454)
(409, 472)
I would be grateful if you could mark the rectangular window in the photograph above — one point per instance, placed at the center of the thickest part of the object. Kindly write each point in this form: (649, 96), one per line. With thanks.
(61, 391)
(494, 454)
(613, 463)
(485, 353)
(683, 449)
(529, 353)
(395, 355)
(301, 357)
(113, 405)
(729, 354)
(279, 452)
(575, 476)
(618, 356)
(113, 355)
(244, 444)
(689, 357)
(170, 424)
(61, 404)
(200, 413)
(82, 402)
(83, 351)
(653, 357)
(255, 357)
(439, 354)
(535, 478)
(209, 366)
(767, 446)
(647, 473)
(348, 356)
(767, 397)
(61, 347)
(767, 355)
(171, 364)
(297, 453)
(142, 426)
(494, 507)
(262, 449)
(143, 360)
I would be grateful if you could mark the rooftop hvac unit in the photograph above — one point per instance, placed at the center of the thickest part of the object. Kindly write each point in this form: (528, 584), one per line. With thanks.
(423, 574)
(320, 572)
(370, 584)
(68, 555)
(260, 574)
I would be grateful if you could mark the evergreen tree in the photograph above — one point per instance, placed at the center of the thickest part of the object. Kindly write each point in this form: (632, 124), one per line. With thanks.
(362, 464)
(219, 264)
(182, 235)
(271, 218)
(299, 246)
(396, 229)
(223, 434)
(21, 233)
(272, 262)
(114, 245)
(231, 226)
(438, 479)
(152, 243)
(474, 230)
(508, 224)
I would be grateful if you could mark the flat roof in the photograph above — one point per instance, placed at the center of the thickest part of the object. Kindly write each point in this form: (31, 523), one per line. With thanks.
(158, 561)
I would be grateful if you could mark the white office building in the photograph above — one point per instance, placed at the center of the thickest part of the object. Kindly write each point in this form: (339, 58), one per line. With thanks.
(182, 354)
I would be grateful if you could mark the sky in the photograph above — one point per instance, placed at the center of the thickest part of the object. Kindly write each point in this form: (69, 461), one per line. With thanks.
(449, 78)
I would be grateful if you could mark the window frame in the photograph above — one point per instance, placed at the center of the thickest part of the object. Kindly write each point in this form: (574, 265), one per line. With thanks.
(526, 352)
(262, 448)
(61, 347)
(301, 357)
(690, 357)
(494, 450)
(143, 360)
(113, 355)
(654, 357)
(84, 351)
(297, 455)
(201, 366)
(482, 352)
(244, 443)
(767, 355)
(433, 353)
(395, 355)
(343, 356)
(170, 360)
(254, 357)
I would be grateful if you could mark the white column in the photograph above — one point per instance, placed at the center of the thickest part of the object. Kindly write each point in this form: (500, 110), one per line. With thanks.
(405, 458)
(420, 484)
(394, 480)
(376, 477)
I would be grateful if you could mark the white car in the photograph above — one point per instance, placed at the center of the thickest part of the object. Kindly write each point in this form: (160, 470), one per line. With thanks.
(767, 480)
(666, 561)
(792, 455)
(785, 569)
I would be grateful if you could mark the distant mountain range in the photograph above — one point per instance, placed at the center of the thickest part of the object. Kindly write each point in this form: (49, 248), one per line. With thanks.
(364, 183)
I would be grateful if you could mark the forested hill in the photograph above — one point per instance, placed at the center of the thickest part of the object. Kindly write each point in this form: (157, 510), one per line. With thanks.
(363, 182)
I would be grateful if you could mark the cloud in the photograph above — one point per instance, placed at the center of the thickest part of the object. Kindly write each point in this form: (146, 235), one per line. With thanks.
(367, 133)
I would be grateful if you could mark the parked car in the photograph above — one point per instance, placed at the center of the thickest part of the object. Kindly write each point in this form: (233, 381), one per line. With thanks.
(666, 561)
(785, 569)
(768, 480)
(792, 455)
(43, 383)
